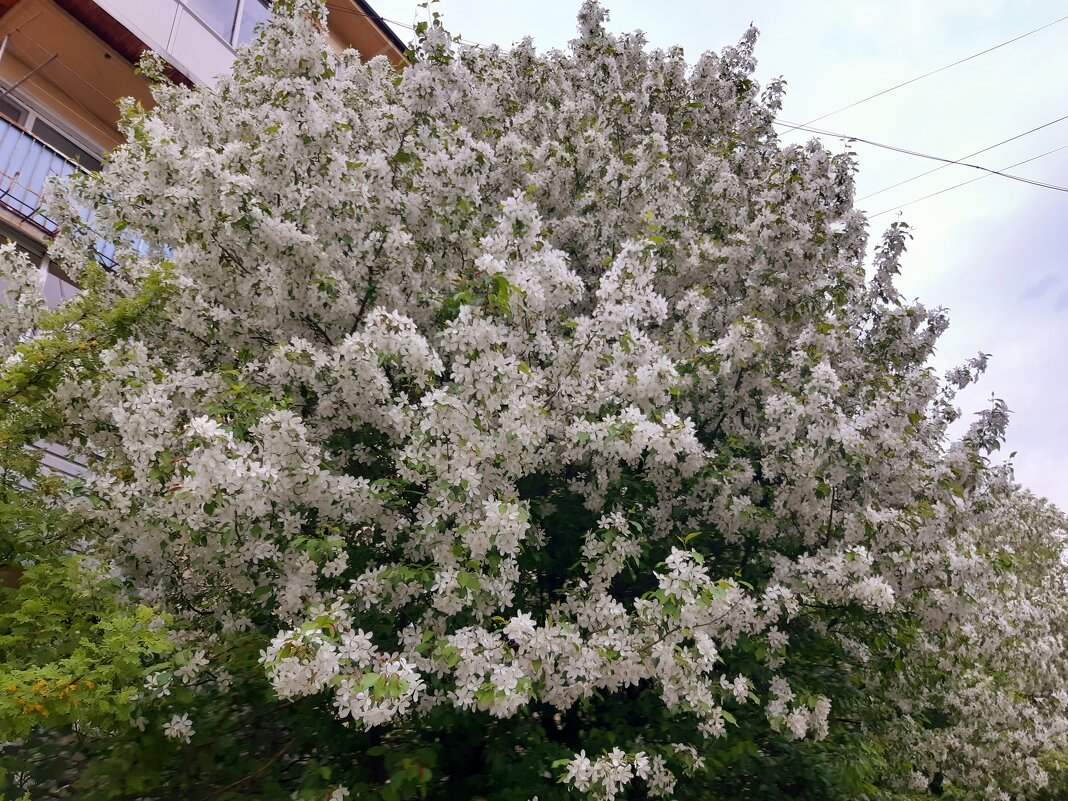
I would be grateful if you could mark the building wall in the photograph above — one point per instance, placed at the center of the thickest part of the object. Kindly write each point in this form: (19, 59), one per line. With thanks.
(65, 63)
(172, 29)
(66, 73)
(198, 36)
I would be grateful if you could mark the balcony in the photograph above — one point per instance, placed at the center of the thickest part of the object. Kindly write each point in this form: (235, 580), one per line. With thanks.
(26, 164)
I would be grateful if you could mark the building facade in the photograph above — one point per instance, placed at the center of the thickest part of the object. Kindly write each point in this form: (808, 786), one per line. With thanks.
(64, 64)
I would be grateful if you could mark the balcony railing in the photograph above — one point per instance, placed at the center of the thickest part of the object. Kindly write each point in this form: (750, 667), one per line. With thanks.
(26, 164)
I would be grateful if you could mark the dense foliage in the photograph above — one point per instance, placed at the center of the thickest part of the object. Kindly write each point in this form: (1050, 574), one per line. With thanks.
(517, 426)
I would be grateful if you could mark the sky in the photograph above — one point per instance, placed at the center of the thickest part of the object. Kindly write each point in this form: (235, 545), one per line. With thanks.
(993, 252)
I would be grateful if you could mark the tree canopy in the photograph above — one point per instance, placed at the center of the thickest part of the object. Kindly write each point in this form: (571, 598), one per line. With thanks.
(519, 425)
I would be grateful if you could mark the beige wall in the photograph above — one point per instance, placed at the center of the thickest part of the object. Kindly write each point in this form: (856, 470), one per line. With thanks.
(78, 90)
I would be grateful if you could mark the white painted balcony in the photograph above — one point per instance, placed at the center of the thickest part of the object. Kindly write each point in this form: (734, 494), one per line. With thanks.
(197, 36)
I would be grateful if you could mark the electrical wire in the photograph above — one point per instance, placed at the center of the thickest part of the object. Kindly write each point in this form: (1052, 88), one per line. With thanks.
(976, 153)
(805, 126)
(918, 154)
(965, 183)
(935, 71)
(906, 151)
(43, 49)
(109, 133)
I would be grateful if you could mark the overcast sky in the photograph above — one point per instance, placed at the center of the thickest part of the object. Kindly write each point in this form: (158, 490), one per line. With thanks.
(993, 252)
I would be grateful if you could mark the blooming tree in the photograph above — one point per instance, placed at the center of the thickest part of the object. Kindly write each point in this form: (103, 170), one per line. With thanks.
(527, 425)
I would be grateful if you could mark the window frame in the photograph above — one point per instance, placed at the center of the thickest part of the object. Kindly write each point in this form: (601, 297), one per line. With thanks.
(32, 112)
(234, 40)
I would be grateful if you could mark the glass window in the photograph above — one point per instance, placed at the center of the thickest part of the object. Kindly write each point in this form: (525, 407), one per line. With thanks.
(57, 288)
(254, 13)
(13, 111)
(219, 15)
(49, 135)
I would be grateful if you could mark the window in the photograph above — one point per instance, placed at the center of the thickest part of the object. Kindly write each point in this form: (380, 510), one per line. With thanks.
(57, 288)
(255, 13)
(50, 136)
(27, 118)
(56, 285)
(219, 15)
(234, 20)
(13, 111)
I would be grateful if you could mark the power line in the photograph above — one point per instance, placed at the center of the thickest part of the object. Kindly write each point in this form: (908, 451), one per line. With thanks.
(935, 71)
(976, 153)
(918, 154)
(92, 119)
(4, 93)
(965, 183)
(805, 126)
(43, 49)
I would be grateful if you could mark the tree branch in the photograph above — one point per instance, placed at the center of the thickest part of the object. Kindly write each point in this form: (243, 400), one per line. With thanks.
(255, 774)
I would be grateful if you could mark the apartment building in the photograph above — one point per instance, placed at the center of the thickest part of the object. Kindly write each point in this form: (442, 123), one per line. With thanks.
(65, 63)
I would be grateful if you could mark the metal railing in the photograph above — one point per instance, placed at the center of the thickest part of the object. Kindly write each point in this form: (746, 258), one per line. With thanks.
(26, 165)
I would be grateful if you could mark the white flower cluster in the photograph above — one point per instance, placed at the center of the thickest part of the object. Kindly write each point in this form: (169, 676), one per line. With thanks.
(799, 720)
(179, 728)
(609, 775)
(22, 297)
